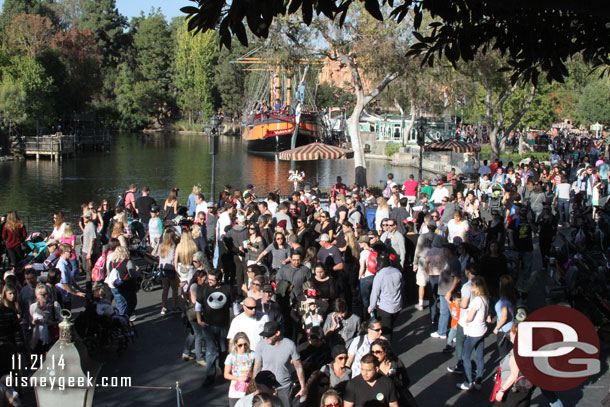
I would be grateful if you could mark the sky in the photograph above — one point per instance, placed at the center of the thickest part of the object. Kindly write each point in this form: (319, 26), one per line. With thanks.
(132, 8)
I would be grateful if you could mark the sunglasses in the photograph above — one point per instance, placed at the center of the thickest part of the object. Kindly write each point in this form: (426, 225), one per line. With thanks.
(196, 261)
(250, 308)
(375, 329)
(280, 239)
(377, 352)
(256, 284)
(341, 357)
(332, 405)
(242, 345)
(252, 228)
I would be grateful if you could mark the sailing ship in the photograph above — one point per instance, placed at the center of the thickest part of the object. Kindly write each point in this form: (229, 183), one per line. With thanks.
(274, 126)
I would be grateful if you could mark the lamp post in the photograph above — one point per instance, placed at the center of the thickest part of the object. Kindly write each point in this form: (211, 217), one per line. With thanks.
(421, 124)
(214, 121)
(68, 363)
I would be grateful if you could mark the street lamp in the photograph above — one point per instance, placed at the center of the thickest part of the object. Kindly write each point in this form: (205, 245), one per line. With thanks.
(421, 124)
(214, 121)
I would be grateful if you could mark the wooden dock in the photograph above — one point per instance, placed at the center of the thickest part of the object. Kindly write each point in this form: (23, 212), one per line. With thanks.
(58, 145)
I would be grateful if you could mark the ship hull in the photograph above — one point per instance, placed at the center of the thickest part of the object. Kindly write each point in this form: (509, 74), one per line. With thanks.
(272, 133)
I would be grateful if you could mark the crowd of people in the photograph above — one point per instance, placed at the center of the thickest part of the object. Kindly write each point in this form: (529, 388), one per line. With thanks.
(295, 301)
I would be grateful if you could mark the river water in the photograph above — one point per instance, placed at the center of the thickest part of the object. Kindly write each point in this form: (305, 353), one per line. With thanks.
(162, 162)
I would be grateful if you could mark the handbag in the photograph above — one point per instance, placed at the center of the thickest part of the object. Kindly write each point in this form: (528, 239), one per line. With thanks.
(522, 385)
(497, 385)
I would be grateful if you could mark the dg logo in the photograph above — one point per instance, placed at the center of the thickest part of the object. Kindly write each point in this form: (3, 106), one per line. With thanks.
(557, 348)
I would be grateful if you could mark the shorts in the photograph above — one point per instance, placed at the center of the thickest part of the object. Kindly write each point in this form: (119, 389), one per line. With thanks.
(421, 277)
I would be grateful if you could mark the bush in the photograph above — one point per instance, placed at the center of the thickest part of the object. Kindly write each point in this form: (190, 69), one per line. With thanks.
(516, 158)
(184, 125)
(391, 148)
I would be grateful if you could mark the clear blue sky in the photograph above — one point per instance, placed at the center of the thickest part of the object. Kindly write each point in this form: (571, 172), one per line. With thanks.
(132, 8)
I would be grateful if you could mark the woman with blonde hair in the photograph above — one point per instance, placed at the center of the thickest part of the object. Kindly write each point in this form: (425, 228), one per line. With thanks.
(10, 299)
(46, 315)
(123, 284)
(239, 366)
(183, 259)
(191, 203)
(69, 238)
(167, 254)
(118, 233)
(14, 234)
(382, 212)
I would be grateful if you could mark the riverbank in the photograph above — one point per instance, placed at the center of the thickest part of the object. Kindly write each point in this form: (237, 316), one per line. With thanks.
(4, 158)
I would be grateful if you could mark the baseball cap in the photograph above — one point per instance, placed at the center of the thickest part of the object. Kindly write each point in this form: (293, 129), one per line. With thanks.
(363, 239)
(373, 233)
(270, 329)
(247, 195)
(154, 209)
(439, 182)
(282, 223)
(249, 186)
(241, 219)
(324, 237)
(268, 288)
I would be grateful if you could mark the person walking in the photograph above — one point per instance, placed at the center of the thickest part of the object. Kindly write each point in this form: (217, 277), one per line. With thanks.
(386, 293)
(276, 354)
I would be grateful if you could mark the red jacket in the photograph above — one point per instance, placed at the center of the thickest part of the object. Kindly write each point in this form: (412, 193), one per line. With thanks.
(14, 238)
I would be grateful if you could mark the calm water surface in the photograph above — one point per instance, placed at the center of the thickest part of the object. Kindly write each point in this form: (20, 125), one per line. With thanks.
(162, 162)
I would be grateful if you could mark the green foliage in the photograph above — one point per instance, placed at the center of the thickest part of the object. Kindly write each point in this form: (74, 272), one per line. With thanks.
(107, 25)
(185, 125)
(507, 156)
(594, 103)
(229, 80)
(194, 64)
(391, 148)
(330, 95)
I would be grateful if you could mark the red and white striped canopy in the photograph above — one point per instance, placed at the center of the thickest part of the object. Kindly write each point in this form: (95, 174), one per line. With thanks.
(453, 145)
(315, 151)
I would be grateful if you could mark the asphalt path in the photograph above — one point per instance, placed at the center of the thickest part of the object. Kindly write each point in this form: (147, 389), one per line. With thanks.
(154, 362)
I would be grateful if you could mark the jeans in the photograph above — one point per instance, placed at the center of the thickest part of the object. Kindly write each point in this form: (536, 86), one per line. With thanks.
(74, 265)
(214, 337)
(451, 336)
(477, 344)
(196, 341)
(366, 285)
(459, 343)
(216, 256)
(433, 281)
(120, 301)
(564, 210)
(443, 319)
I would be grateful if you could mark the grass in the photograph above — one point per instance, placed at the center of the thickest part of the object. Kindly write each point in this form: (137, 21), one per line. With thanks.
(184, 125)
(507, 156)
(391, 148)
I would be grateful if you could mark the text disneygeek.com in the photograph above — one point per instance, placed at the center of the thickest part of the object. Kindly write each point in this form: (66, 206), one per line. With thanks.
(61, 382)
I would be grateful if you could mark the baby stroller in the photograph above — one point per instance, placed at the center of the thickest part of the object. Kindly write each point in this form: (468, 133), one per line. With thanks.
(109, 332)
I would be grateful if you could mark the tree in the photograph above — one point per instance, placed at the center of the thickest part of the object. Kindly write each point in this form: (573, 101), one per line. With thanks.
(229, 80)
(29, 34)
(194, 64)
(103, 19)
(330, 95)
(364, 46)
(594, 104)
(536, 35)
(496, 89)
(13, 8)
(143, 82)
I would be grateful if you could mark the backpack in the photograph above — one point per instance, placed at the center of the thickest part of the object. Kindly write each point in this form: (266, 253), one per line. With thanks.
(387, 191)
(98, 273)
(371, 262)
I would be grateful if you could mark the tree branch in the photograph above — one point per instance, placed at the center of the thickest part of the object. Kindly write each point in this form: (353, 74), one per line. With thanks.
(388, 78)
(524, 110)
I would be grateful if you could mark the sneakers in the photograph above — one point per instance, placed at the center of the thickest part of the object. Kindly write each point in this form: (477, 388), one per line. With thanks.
(202, 363)
(133, 317)
(457, 369)
(437, 335)
(419, 307)
(163, 311)
(464, 386)
(477, 383)
(448, 349)
(186, 357)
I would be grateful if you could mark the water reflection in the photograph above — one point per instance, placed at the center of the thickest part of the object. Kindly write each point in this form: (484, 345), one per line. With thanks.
(162, 162)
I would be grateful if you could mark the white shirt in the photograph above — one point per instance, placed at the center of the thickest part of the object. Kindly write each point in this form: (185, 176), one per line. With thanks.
(364, 257)
(224, 220)
(250, 326)
(439, 194)
(477, 327)
(201, 207)
(272, 206)
(395, 204)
